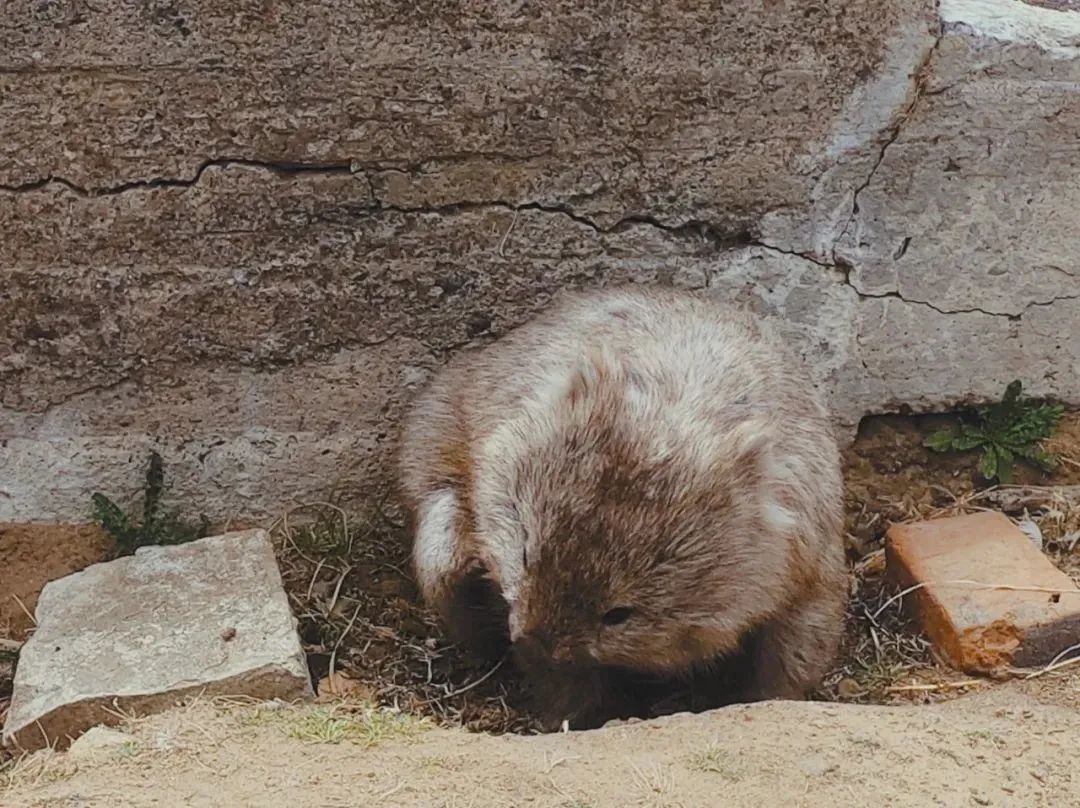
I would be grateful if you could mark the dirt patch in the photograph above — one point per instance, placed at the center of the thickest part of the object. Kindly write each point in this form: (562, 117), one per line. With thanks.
(1001, 748)
(890, 476)
(31, 555)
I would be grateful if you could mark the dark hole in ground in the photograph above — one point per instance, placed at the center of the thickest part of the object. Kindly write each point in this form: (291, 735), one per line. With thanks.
(359, 607)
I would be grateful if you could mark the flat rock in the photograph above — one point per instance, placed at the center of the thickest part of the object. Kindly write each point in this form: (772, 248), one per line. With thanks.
(139, 633)
(989, 598)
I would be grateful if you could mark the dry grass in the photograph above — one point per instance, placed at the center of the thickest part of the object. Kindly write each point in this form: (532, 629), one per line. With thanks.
(715, 759)
(31, 771)
(881, 649)
(359, 724)
(349, 583)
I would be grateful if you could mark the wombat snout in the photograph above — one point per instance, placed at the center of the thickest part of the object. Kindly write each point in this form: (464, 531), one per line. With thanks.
(538, 651)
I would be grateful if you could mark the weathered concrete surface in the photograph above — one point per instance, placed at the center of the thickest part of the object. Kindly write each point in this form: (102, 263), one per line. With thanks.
(140, 632)
(971, 210)
(244, 236)
(958, 562)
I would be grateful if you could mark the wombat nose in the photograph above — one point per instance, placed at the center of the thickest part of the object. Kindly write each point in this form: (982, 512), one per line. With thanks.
(541, 651)
(533, 650)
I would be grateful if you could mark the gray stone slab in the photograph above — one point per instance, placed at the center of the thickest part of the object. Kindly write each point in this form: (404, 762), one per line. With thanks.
(139, 633)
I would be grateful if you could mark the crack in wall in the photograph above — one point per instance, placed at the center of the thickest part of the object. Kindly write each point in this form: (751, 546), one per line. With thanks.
(919, 92)
(281, 168)
(717, 237)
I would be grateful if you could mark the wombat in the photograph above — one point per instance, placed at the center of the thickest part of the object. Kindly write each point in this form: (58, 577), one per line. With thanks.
(637, 483)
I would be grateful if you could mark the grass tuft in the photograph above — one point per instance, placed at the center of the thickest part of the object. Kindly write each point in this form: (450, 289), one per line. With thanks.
(364, 725)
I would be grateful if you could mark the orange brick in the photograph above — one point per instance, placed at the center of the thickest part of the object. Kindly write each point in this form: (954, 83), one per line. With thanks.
(983, 629)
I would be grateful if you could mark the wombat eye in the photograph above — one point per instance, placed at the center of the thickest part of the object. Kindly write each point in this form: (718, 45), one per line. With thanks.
(620, 614)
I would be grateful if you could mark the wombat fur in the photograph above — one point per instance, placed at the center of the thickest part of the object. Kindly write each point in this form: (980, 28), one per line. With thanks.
(635, 486)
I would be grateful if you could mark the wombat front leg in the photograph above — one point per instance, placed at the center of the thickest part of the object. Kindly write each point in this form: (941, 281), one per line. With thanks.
(792, 653)
(456, 583)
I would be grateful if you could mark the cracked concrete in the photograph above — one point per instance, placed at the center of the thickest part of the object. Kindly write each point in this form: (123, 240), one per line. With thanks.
(244, 239)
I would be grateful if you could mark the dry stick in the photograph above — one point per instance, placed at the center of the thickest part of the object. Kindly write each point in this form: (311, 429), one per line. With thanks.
(1068, 650)
(1052, 668)
(288, 537)
(471, 685)
(975, 585)
(1054, 664)
(337, 591)
(348, 628)
(1017, 497)
(314, 575)
(25, 610)
(942, 686)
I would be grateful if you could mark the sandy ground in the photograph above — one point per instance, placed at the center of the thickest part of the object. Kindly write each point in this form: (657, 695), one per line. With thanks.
(1009, 745)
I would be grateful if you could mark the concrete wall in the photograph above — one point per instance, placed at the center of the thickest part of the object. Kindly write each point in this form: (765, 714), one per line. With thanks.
(243, 232)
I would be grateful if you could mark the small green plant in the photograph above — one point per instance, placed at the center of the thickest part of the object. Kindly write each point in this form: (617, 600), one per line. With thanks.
(157, 526)
(1012, 429)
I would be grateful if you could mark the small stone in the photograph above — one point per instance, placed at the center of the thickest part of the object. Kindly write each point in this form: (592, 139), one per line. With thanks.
(988, 598)
(143, 632)
(99, 740)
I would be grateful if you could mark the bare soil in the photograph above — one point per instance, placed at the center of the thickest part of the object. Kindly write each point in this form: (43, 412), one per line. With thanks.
(33, 555)
(1010, 746)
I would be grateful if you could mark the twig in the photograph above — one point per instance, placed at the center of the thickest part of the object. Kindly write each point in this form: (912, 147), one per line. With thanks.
(471, 685)
(1018, 497)
(25, 610)
(340, 639)
(314, 575)
(287, 532)
(974, 585)
(551, 764)
(1055, 664)
(337, 591)
(929, 687)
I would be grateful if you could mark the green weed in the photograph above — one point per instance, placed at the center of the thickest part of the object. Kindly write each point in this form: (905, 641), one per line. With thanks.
(1010, 430)
(157, 525)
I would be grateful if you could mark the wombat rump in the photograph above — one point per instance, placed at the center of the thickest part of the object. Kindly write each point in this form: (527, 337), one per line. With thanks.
(638, 483)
